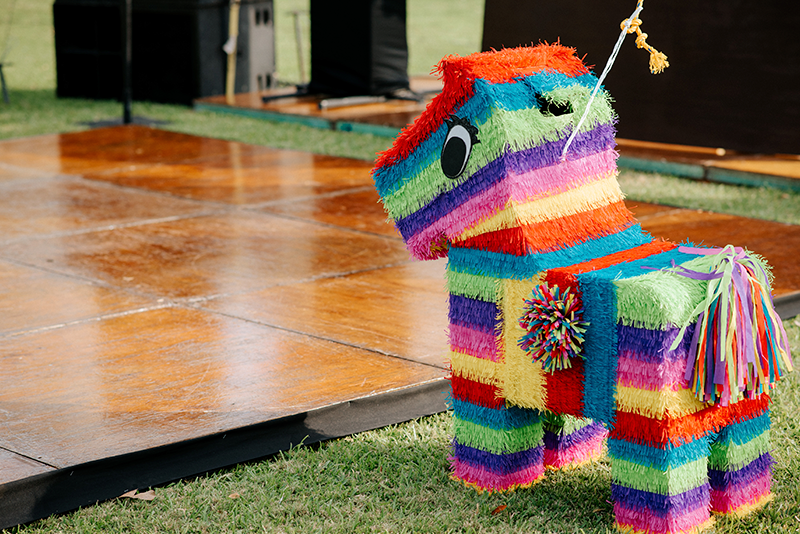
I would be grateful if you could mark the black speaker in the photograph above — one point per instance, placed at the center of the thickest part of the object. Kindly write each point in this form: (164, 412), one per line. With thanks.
(732, 82)
(358, 47)
(177, 51)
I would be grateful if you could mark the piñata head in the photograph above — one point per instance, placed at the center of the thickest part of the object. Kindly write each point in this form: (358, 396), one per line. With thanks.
(491, 143)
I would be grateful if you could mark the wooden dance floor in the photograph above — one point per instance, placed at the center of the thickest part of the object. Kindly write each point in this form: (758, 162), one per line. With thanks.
(171, 305)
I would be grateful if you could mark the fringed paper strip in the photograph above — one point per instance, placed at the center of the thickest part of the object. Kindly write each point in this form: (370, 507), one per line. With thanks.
(664, 457)
(500, 418)
(485, 263)
(661, 505)
(672, 482)
(554, 321)
(634, 521)
(503, 441)
(574, 446)
(502, 469)
(556, 234)
(677, 431)
(477, 393)
(755, 494)
(739, 348)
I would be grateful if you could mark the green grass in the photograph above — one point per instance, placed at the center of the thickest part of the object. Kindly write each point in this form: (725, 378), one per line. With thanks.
(396, 480)
(393, 479)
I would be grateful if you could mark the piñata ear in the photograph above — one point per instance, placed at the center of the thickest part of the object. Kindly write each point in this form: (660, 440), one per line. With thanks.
(551, 108)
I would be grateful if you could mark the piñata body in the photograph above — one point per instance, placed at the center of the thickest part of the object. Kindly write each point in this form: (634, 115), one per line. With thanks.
(568, 323)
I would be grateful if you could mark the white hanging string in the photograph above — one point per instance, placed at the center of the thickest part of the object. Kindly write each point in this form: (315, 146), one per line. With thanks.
(602, 77)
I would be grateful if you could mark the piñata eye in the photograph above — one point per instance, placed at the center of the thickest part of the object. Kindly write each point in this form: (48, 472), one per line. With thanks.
(551, 108)
(461, 137)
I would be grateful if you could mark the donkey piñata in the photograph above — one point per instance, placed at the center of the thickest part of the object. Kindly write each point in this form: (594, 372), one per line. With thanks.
(568, 323)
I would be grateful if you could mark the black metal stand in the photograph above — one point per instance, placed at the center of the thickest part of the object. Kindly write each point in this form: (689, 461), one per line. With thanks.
(127, 97)
(3, 83)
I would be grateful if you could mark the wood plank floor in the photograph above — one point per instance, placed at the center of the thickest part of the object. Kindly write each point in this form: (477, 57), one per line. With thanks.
(171, 304)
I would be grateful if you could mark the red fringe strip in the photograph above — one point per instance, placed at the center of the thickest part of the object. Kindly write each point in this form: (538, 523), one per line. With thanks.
(555, 234)
(565, 390)
(659, 433)
(476, 393)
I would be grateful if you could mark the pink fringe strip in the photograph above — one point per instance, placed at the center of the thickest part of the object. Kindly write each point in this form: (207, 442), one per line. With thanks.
(578, 454)
(727, 502)
(474, 343)
(639, 520)
(489, 481)
(650, 375)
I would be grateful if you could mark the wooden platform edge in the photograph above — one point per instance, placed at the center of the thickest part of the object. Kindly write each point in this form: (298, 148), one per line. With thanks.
(787, 306)
(63, 490)
(709, 173)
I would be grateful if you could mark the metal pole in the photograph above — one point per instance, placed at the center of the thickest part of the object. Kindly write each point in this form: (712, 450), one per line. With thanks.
(230, 49)
(298, 38)
(127, 97)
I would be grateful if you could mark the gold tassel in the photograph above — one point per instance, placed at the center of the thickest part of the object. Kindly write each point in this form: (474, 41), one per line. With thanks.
(658, 60)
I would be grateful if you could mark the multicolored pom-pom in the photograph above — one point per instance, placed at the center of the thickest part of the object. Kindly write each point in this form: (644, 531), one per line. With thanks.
(554, 321)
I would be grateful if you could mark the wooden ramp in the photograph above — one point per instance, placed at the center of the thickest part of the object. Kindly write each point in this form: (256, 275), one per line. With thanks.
(171, 304)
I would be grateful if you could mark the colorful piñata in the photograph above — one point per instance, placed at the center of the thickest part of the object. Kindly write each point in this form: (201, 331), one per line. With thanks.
(669, 350)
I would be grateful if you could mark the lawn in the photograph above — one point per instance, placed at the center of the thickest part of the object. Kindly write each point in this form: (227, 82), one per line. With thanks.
(393, 479)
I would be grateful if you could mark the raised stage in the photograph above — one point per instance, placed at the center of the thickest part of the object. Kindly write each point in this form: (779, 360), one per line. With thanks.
(171, 304)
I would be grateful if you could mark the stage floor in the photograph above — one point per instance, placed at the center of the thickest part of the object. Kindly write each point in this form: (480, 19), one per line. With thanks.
(171, 304)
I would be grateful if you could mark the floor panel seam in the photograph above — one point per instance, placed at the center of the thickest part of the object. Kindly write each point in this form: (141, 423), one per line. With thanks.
(321, 338)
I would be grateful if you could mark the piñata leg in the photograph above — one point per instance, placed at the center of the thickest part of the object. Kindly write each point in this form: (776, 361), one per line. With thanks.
(740, 467)
(495, 448)
(659, 490)
(659, 485)
(571, 441)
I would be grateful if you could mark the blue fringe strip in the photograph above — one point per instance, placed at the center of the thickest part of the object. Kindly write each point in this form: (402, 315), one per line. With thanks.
(475, 314)
(744, 431)
(500, 464)
(662, 459)
(600, 347)
(497, 419)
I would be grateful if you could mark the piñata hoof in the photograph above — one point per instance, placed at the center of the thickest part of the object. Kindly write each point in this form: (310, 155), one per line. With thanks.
(567, 321)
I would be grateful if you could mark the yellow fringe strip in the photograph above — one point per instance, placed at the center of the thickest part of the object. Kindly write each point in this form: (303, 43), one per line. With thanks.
(657, 404)
(509, 489)
(523, 382)
(472, 368)
(658, 61)
(702, 527)
(600, 193)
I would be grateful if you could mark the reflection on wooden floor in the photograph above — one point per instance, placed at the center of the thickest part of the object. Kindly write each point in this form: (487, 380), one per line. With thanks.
(387, 118)
(160, 293)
